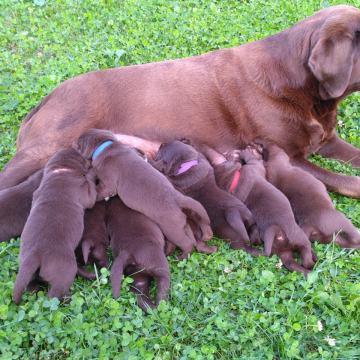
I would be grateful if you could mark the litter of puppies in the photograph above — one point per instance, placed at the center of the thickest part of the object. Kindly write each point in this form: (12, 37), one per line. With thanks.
(102, 194)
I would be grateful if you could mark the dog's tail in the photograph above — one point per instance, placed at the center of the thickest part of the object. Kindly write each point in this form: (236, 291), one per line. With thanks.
(24, 276)
(117, 270)
(195, 210)
(85, 248)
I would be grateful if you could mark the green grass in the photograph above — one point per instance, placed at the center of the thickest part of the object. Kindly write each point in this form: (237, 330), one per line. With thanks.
(227, 305)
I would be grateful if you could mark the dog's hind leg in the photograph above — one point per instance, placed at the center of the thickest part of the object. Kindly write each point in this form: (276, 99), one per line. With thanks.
(140, 287)
(88, 275)
(287, 259)
(60, 277)
(22, 165)
(162, 277)
(180, 235)
(233, 218)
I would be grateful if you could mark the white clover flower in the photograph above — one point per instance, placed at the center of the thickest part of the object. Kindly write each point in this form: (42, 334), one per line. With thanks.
(330, 341)
(279, 264)
(320, 325)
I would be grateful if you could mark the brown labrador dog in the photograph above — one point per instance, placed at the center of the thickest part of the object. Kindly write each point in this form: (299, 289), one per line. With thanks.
(310, 201)
(270, 207)
(285, 88)
(15, 205)
(122, 171)
(55, 224)
(191, 173)
(136, 241)
(95, 239)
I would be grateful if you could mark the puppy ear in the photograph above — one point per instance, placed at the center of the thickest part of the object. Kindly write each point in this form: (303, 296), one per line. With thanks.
(331, 62)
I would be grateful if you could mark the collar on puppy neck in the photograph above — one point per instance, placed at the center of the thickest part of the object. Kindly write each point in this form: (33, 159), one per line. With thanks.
(234, 182)
(100, 149)
(186, 166)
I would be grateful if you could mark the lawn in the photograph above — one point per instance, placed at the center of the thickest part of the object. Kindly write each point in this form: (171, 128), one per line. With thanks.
(226, 305)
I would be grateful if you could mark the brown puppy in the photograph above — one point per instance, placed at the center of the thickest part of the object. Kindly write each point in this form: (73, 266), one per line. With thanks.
(285, 88)
(15, 205)
(138, 242)
(192, 174)
(122, 171)
(310, 201)
(271, 209)
(55, 224)
(95, 239)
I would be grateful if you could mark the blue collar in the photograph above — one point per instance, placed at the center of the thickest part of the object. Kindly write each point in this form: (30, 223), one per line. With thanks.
(100, 149)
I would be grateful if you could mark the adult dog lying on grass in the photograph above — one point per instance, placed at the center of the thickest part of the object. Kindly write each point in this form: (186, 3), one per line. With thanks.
(285, 88)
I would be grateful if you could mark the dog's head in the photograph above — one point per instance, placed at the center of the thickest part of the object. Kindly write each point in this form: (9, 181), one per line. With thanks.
(66, 161)
(179, 158)
(90, 140)
(335, 51)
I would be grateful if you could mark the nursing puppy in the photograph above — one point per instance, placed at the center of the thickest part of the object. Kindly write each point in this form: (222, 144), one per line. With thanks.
(15, 205)
(191, 173)
(136, 241)
(55, 224)
(122, 171)
(271, 209)
(310, 201)
(95, 239)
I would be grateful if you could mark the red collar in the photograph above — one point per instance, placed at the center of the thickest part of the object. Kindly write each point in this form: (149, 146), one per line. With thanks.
(234, 181)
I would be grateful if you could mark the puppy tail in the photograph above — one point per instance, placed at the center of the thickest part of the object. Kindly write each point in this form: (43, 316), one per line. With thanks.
(85, 248)
(23, 278)
(117, 270)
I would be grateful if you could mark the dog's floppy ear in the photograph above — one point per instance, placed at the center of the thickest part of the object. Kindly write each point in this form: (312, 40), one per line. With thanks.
(331, 60)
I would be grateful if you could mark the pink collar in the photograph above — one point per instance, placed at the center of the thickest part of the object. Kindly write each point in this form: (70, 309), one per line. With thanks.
(234, 182)
(184, 167)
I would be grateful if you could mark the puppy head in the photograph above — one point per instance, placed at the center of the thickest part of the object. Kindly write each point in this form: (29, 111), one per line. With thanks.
(66, 161)
(176, 157)
(90, 140)
(243, 156)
